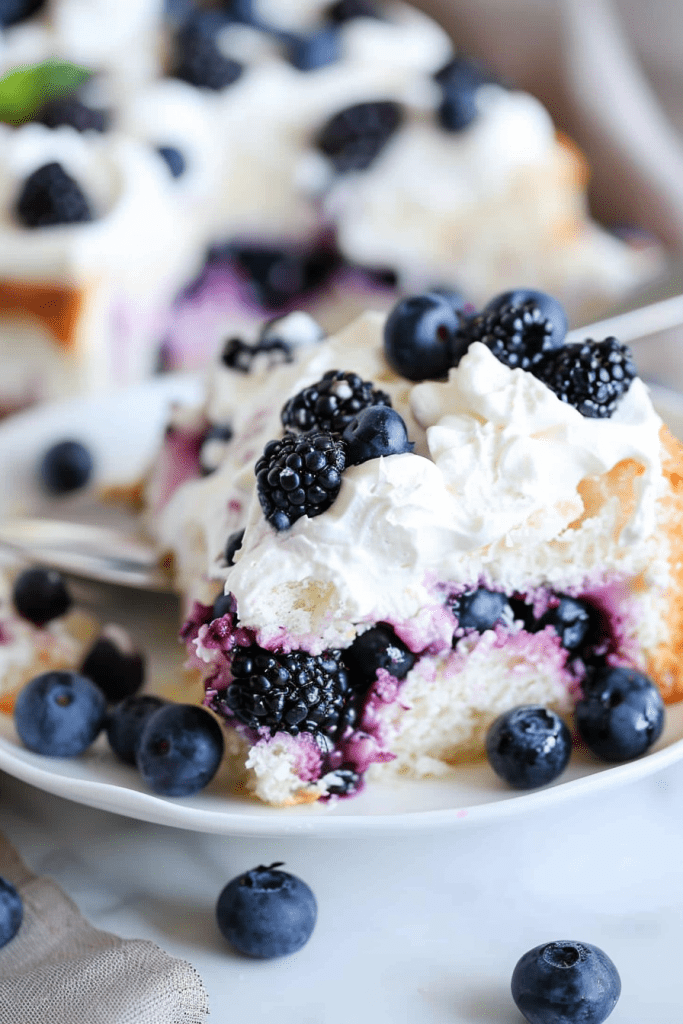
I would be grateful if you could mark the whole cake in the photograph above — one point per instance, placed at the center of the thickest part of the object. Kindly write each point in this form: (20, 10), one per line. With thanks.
(401, 531)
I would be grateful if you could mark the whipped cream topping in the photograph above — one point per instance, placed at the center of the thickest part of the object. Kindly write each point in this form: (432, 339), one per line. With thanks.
(491, 494)
(134, 235)
(489, 207)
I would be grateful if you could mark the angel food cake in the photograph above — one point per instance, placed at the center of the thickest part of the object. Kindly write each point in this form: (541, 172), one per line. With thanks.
(229, 176)
(398, 560)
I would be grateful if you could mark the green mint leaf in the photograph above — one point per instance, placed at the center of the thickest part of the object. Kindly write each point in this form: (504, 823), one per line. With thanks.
(24, 90)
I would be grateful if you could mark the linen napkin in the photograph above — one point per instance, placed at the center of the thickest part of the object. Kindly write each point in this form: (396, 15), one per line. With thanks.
(61, 970)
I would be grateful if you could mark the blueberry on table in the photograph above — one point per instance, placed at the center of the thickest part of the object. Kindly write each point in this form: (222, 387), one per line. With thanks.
(266, 912)
(127, 722)
(620, 715)
(180, 750)
(11, 911)
(66, 466)
(528, 746)
(114, 664)
(376, 431)
(419, 336)
(59, 714)
(565, 982)
(40, 595)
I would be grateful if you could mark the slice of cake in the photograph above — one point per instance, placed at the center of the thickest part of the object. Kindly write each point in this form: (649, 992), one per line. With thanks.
(381, 563)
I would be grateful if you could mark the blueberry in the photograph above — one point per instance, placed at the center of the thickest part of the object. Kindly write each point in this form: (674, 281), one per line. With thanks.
(71, 111)
(565, 982)
(572, 620)
(549, 308)
(377, 430)
(459, 81)
(223, 605)
(126, 723)
(620, 715)
(180, 750)
(11, 911)
(266, 912)
(378, 647)
(66, 467)
(481, 609)
(418, 336)
(528, 746)
(308, 53)
(174, 160)
(199, 61)
(59, 714)
(14, 11)
(41, 595)
(278, 277)
(232, 546)
(114, 664)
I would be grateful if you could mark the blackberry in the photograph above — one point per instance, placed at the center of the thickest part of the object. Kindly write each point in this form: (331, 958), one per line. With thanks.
(71, 111)
(519, 335)
(199, 61)
(591, 376)
(331, 403)
(278, 277)
(299, 476)
(293, 693)
(354, 138)
(50, 196)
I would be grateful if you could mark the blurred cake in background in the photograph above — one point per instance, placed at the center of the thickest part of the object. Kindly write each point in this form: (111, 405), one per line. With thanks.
(229, 163)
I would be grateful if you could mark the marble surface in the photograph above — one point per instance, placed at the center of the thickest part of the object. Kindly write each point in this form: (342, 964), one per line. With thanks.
(422, 929)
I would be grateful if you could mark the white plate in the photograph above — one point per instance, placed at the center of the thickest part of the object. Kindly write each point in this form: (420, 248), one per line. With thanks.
(123, 430)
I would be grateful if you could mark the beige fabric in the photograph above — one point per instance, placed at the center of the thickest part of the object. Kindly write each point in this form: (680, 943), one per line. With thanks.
(61, 970)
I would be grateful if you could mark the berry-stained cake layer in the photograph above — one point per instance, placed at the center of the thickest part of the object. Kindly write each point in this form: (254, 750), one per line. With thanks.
(490, 538)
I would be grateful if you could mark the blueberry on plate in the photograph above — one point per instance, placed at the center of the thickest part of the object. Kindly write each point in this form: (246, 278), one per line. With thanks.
(528, 746)
(376, 431)
(11, 911)
(65, 467)
(620, 715)
(59, 714)
(565, 982)
(180, 750)
(41, 595)
(126, 723)
(266, 912)
(549, 308)
(114, 664)
(419, 335)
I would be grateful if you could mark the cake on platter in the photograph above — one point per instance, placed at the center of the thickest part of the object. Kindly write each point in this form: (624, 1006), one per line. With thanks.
(390, 536)
(228, 176)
